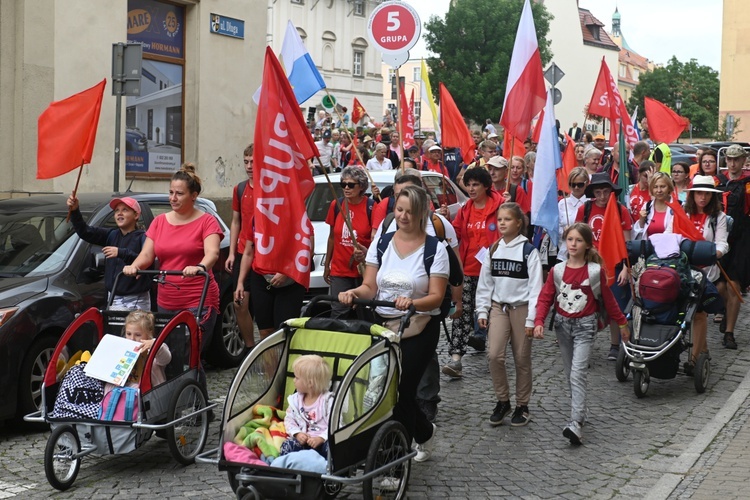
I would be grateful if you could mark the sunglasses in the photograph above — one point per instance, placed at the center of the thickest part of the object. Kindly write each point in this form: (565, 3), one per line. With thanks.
(350, 185)
(577, 185)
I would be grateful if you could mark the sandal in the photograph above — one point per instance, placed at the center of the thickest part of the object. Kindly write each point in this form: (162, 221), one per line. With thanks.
(718, 318)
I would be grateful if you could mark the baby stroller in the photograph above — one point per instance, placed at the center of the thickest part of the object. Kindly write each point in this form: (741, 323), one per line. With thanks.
(660, 332)
(365, 444)
(175, 410)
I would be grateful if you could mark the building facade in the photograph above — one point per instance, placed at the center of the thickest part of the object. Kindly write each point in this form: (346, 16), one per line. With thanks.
(734, 100)
(410, 74)
(335, 34)
(198, 76)
(578, 43)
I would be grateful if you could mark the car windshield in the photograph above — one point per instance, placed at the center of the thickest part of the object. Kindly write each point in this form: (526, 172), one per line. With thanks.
(33, 244)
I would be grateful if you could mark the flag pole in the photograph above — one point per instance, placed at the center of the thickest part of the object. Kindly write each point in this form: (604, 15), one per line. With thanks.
(510, 163)
(398, 125)
(75, 189)
(351, 141)
(347, 219)
(731, 284)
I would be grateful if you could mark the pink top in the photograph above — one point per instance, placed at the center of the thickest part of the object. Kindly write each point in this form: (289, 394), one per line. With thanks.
(180, 246)
(313, 419)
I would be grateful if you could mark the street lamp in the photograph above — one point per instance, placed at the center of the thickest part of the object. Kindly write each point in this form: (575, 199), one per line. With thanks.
(678, 105)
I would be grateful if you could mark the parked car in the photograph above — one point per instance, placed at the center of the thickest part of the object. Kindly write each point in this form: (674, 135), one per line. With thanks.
(721, 146)
(679, 148)
(135, 140)
(48, 275)
(320, 200)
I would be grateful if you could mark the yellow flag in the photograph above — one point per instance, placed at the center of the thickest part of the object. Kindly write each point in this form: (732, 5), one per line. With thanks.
(427, 96)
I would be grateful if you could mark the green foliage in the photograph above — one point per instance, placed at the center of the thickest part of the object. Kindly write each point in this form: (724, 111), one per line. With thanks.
(695, 84)
(473, 46)
(722, 133)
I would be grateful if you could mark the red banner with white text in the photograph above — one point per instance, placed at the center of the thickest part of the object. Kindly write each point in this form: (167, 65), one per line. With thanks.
(406, 119)
(607, 103)
(283, 232)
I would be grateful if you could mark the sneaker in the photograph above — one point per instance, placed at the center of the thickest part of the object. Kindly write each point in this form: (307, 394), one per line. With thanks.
(453, 369)
(521, 416)
(429, 408)
(574, 432)
(728, 341)
(502, 408)
(614, 350)
(424, 450)
(477, 342)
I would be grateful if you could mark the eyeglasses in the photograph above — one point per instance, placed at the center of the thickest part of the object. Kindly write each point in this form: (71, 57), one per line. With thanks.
(577, 185)
(350, 185)
(248, 161)
(676, 172)
(708, 162)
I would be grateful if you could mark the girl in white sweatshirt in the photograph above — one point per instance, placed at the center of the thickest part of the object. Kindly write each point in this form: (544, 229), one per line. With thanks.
(509, 284)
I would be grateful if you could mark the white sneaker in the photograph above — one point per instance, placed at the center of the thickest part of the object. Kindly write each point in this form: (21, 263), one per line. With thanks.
(424, 450)
(574, 432)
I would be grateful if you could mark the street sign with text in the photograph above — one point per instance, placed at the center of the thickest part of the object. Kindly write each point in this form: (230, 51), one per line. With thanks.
(394, 28)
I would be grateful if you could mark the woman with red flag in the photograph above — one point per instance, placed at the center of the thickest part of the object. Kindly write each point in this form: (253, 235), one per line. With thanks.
(592, 212)
(703, 207)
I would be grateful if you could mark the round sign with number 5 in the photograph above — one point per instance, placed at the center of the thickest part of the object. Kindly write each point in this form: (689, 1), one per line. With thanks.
(394, 27)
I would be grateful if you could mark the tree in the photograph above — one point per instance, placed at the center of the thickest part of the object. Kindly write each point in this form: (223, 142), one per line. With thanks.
(696, 85)
(473, 46)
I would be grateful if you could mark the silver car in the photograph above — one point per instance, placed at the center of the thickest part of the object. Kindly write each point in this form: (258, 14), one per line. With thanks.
(320, 200)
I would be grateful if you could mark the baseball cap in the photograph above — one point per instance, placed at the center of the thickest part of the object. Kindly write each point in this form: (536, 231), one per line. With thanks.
(327, 134)
(498, 162)
(735, 151)
(130, 202)
(600, 137)
(435, 148)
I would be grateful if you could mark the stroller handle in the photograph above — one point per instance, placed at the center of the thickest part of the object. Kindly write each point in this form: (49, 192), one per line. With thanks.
(368, 303)
(158, 273)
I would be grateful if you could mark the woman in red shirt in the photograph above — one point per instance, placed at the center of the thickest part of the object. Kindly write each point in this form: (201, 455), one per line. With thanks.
(476, 228)
(345, 254)
(656, 216)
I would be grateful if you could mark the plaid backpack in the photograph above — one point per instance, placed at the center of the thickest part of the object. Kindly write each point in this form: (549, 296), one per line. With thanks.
(79, 397)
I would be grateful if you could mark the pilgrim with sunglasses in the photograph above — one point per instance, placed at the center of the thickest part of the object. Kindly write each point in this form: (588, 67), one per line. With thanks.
(568, 206)
(345, 253)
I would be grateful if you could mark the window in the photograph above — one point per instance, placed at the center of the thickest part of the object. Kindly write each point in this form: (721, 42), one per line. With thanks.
(391, 75)
(623, 70)
(636, 74)
(357, 65)
(359, 8)
(417, 110)
(299, 2)
(417, 73)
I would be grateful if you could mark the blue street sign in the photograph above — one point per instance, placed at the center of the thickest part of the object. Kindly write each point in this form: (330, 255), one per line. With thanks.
(227, 26)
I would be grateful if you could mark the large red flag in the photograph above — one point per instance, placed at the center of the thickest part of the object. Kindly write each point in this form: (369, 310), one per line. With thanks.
(358, 112)
(67, 132)
(569, 163)
(283, 145)
(538, 128)
(681, 223)
(453, 129)
(406, 120)
(512, 146)
(607, 103)
(525, 92)
(664, 125)
(611, 240)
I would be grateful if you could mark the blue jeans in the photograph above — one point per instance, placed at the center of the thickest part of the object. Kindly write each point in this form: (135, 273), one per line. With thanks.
(575, 337)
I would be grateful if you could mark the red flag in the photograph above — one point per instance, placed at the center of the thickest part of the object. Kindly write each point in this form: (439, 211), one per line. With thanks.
(681, 223)
(282, 147)
(512, 146)
(538, 128)
(67, 132)
(358, 112)
(607, 103)
(568, 162)
(406, 119)
(664, 125)
(611, 240)
(453, 129)
(525, 93)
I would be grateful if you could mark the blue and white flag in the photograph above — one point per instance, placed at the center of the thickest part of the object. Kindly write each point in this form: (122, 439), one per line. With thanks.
(300, 69)
(634, 120)
(544, 211)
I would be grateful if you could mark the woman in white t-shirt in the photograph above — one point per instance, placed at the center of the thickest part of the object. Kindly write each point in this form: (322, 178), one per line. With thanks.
(399, 276)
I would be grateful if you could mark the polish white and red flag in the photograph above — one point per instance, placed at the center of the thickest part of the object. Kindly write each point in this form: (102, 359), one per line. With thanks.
(607, 102)
(525, 93)
(283, 145)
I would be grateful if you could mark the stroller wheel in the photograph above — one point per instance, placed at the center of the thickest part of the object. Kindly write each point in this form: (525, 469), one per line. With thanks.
(641, 381)
(388, 445)
(622, 366)
(60, 463)
(187, 438)
(702, 372)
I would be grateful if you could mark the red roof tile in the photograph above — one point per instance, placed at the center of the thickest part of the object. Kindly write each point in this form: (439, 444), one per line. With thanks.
(591, 25)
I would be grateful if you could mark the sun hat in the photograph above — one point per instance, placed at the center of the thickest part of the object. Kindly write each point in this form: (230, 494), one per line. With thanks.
(703, 183)
(435, 148)
(130, 202)
(598, 180)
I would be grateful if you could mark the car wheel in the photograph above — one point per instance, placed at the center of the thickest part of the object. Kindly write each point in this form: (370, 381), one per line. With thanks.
(32, 374)
(227, 348)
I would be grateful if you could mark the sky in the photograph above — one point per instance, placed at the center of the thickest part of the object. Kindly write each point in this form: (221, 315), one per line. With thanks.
(656, 29)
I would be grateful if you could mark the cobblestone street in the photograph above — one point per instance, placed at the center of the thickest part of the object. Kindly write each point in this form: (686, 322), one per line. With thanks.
(663, 445)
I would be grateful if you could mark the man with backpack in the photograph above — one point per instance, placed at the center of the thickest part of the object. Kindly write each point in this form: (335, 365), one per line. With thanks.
(428, 392)
(240, 231)
(592, 213)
